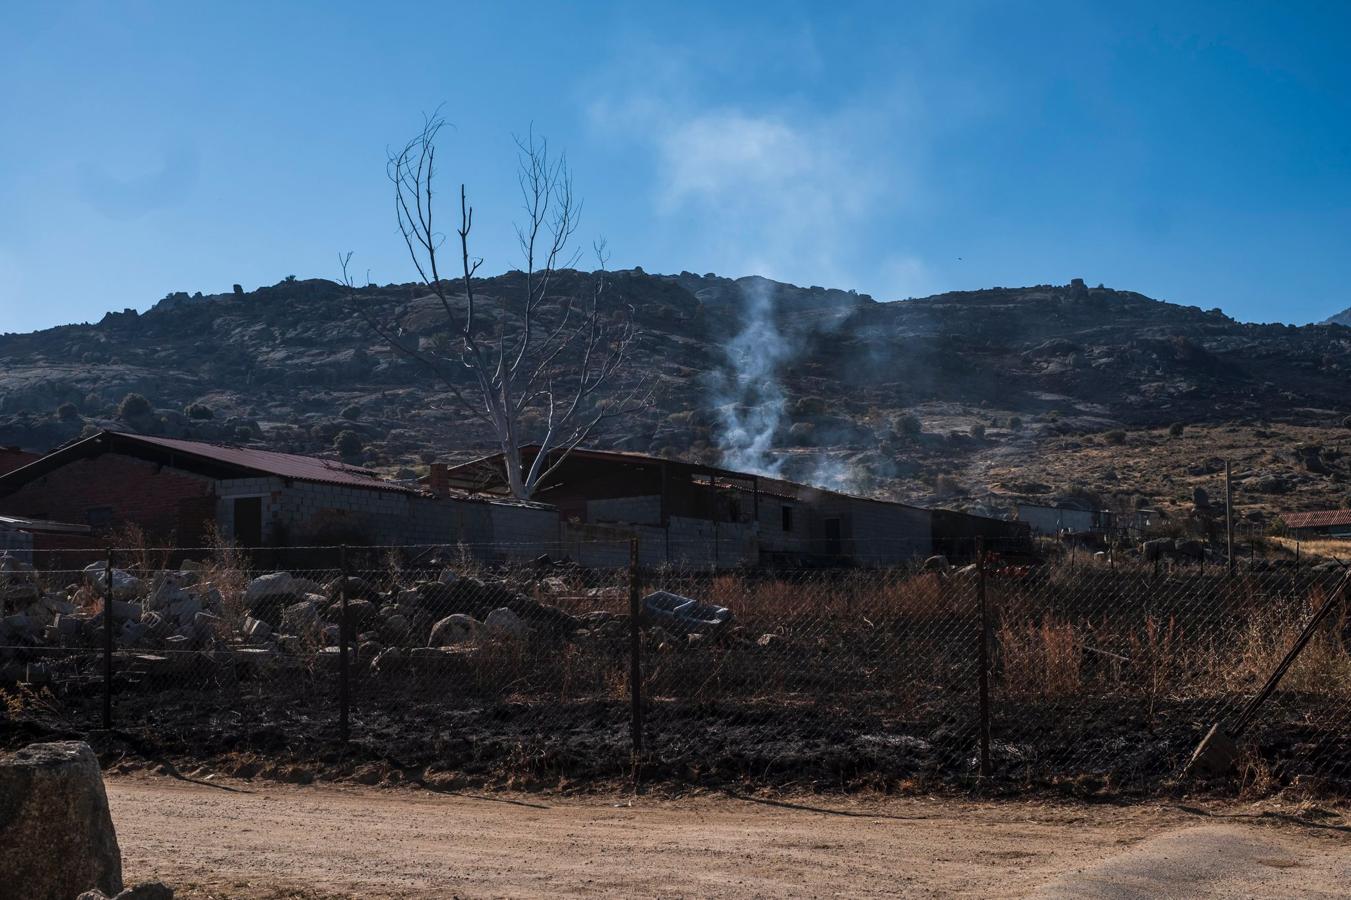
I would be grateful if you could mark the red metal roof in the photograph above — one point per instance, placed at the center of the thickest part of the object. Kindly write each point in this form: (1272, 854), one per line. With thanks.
(1317, 519)
(219, 457)
(282, 465)
(12, 458)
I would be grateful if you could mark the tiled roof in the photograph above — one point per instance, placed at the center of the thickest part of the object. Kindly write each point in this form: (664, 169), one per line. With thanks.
(1318, 519)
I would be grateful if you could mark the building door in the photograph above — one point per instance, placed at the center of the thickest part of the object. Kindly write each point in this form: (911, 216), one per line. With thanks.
(249, 521)
(833, 547)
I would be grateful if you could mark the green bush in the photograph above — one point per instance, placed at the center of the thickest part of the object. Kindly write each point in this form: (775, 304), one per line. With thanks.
(67, 412)
(1115, 436)
(1176, 429)
(1015, 423)
(978, 431)
(200, 412)
(352, 412)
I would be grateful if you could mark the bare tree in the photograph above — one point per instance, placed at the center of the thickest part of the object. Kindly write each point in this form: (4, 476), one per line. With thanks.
(537, 350)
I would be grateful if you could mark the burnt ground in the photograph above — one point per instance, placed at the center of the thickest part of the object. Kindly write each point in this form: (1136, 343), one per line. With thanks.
(288, 730)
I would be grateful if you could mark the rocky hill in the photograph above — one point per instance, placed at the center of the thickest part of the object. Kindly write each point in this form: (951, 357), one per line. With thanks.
(1342, 318)
(970, 397)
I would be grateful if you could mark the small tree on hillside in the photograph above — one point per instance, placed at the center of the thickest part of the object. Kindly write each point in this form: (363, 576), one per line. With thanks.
(537, 367)
(133, 406)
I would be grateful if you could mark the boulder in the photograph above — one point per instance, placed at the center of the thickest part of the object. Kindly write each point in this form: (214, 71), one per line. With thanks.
(256, 630)
(185, 610)
(395, 629)
(55, 827)
(301, 618)
(1157, 549)
(276, 584)
(389, 660)
(456, 628)
(357, 588)
(125, 585)
(505, 623)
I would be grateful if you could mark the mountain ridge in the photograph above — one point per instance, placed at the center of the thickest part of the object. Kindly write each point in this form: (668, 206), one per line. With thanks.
(291, 366)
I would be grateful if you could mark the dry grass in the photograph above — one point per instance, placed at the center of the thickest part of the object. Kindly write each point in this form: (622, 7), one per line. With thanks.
(1326, 548)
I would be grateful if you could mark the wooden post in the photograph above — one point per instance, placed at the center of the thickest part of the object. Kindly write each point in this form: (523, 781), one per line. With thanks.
(635, 661)
(1229, 516)
(343, 643)
(984, 678)
(108, 618)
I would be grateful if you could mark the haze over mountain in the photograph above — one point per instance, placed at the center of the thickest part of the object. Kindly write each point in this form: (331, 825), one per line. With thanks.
(1341, 318)
(1001, 377)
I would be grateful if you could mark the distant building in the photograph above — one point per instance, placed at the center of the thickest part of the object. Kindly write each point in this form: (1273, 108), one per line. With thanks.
(177, 490)
(689, 513)
(1064, 519)
(1334, 523)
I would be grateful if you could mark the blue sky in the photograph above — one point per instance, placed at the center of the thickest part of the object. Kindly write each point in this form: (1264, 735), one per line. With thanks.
(1199, 153)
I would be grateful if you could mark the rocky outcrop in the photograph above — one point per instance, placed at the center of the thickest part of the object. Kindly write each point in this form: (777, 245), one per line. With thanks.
(56, 833)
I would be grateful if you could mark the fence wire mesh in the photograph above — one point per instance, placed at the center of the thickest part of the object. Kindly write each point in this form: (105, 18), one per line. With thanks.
(1100, 676)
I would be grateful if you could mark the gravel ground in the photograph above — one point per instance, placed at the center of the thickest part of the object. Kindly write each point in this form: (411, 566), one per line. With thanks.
(222, 838)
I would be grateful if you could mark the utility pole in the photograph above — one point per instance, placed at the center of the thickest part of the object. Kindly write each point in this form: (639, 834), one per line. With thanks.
(1229, 515)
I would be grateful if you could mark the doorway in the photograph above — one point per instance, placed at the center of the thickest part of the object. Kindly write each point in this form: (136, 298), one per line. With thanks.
(248, 517)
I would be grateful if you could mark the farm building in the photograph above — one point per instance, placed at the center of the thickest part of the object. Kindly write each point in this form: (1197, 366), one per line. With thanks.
(1333, 523)
(12, 458)
(704, 515)
(177, 491)
(23, 539)
(1063, 519)
(955, 534)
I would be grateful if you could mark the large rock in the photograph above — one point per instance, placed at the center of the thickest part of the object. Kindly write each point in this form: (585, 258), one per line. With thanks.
(277, 584)
(301, 618)
(125, 585)
(56, 834)
(505, 623)
(456, 628)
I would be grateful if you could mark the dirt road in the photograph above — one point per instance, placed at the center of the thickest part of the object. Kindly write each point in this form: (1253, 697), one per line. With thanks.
(263, 840)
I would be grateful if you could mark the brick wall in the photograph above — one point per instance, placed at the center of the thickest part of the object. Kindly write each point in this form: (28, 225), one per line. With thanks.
(133, 490)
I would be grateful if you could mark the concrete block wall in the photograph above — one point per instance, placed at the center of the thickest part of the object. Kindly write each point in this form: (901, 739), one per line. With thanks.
(18, 544)
(644, 510)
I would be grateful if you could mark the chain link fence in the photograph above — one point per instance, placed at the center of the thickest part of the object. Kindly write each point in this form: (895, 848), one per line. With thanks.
(1101, 676)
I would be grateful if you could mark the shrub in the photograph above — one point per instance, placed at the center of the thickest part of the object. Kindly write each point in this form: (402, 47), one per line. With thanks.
(908, 424)
(67, 412)
(1115, 436)
(1015, 423)
(200, 412)
(978, 431)
(352, 412)
(348, 444)
(1176, 429)
(1346, 423)
(133, 406)
(238, 289)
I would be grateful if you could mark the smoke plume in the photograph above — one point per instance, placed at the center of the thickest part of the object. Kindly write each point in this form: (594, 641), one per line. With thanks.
(747, 395)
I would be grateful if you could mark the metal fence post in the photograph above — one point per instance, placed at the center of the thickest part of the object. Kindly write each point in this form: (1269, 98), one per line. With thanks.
(343, 643)
(984, 679)
(108, 618)
(635, 659)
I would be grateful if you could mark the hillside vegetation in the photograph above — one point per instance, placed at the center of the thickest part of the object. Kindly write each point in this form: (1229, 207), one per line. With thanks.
(968, 398)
